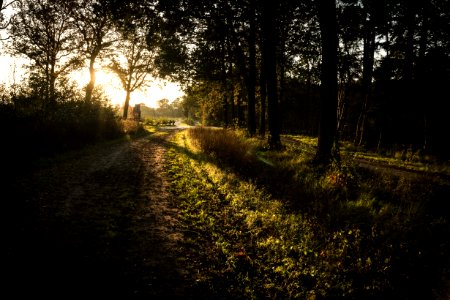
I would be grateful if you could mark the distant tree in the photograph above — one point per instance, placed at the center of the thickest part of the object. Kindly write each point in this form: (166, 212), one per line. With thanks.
(163, 103)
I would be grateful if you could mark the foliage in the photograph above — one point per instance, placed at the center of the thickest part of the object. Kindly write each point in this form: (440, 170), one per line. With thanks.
(42, 32)
(31, 130)
(159, 122)
(341, 233)
(164, 110)
(202, 103)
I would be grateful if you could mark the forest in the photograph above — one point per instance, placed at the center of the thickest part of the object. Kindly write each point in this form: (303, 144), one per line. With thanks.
(312, 161)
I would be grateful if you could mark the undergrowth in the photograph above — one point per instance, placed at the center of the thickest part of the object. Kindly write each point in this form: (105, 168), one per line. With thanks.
(262, 224)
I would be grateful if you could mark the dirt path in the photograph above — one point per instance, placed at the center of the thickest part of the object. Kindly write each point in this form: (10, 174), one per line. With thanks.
(99, 223)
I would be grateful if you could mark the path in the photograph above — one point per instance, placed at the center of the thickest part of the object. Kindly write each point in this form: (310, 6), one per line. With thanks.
(100, 223)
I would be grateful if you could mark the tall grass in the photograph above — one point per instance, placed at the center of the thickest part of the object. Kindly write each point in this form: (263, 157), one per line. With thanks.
(310, 233)
(228, 146)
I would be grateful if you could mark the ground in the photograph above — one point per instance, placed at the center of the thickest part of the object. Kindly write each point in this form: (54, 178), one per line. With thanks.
(100, 222)
(96, 223)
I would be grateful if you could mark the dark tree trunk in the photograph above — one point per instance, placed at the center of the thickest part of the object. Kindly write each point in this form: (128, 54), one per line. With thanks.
(239, 109)
(368, 60)
(421, 77)
(409, 47)
(252, 73)
(224, 87)
(126, 105)
(91, 84)
(263, 94)
(231, 94)
(271, 73)
(328, 92)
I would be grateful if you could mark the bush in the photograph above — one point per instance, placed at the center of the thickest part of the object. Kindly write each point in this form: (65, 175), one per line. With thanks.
(159, 122)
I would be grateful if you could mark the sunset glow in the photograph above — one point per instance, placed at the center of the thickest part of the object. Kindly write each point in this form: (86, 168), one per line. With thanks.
(157, 89)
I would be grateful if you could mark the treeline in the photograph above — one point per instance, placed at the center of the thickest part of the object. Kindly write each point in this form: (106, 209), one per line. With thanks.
(261, 65)
(372, 72)
(45, 111)
(165, 109)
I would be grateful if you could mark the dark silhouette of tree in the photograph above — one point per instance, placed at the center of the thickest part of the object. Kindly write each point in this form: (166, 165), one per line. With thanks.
(43, 32)
(328, 91)
(132, 62)
(3, 6)
(370, 16)
(94, 24)
(252, 69)
(269, 13)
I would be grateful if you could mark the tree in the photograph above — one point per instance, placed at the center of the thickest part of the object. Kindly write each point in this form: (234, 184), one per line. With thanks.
(371, 20)
(43, 32)
(269, 11)
(3, 6)
(94, 24)
(163, 103)
(251, 86)
(132, 63)
(328, 92)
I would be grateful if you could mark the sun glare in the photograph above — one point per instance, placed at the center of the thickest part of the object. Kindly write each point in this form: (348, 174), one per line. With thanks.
(157, 89)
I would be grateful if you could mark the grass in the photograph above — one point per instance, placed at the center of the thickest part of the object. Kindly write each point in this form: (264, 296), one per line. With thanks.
(262, 224)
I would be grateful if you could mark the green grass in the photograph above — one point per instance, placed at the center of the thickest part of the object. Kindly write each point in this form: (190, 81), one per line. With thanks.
(280, 228)
(406, 160)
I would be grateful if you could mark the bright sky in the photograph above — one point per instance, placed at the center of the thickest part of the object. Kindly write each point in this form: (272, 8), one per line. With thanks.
(157, 90)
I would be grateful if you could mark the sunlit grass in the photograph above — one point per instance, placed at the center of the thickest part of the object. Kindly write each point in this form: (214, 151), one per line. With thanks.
(282, 229)
(407, 159)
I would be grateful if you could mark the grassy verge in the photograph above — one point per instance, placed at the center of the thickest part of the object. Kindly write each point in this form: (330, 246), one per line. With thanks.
(355, 236)
(262, 224)
(405, 159)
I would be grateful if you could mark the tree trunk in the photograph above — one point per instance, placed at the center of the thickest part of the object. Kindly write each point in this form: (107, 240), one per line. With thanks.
(409, 47)
(263, 94)
(251, 125)
(224, 87)
(328, 92)
(91, 84)
(368, 61)
(127, 104)
(239, 109)
(271, 74)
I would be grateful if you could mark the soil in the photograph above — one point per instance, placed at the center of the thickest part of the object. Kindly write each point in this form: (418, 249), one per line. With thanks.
(96, 223)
